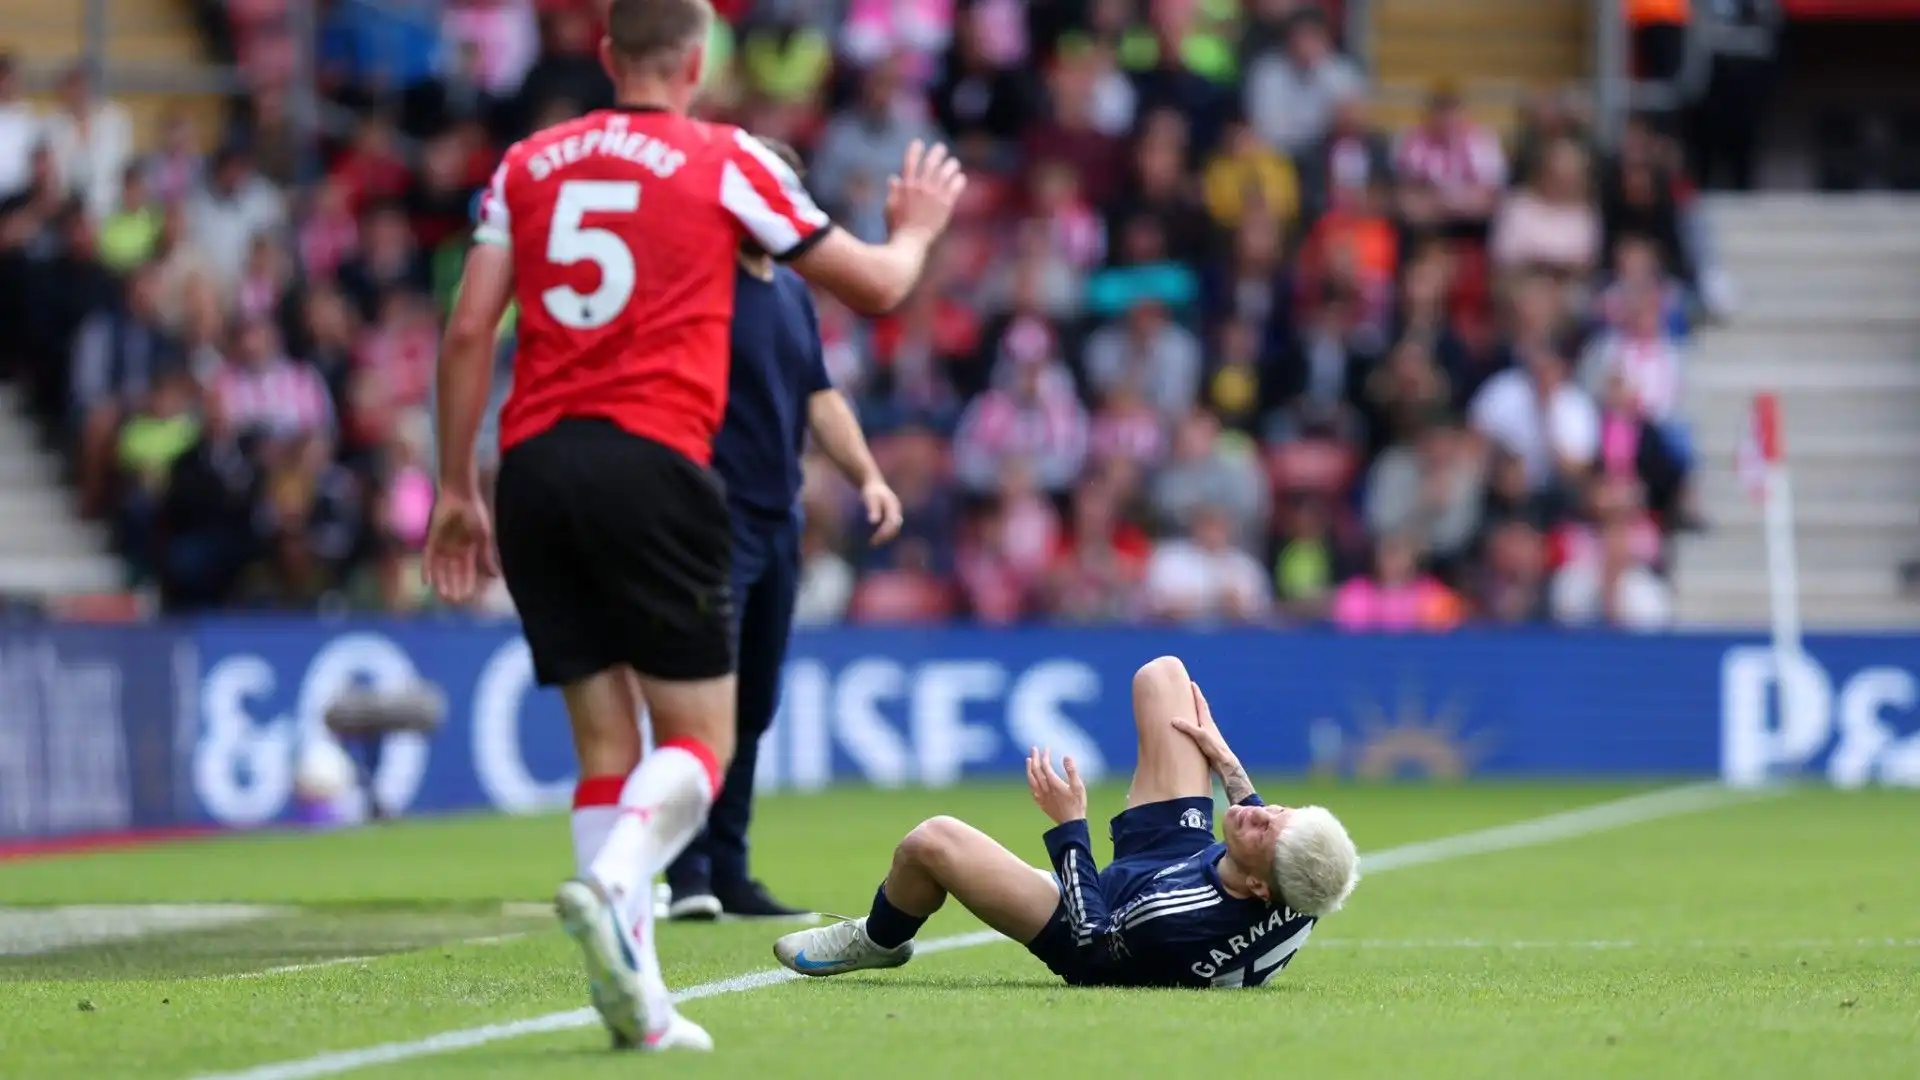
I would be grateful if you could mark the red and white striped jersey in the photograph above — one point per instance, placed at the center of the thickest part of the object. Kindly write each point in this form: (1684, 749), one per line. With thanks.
(280, 398)
(1463, 158)
(624, 227)
(1651, 368)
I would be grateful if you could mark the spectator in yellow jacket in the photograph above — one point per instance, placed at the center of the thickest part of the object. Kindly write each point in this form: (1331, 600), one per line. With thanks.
(1246, 171)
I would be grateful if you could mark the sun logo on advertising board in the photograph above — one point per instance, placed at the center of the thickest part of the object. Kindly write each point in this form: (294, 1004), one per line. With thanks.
(1400, 741)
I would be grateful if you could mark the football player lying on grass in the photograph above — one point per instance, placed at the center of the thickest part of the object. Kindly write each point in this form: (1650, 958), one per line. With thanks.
(1175, 907)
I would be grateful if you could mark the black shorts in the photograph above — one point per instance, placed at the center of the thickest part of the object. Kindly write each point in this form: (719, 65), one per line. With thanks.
(1146, 840)
(617, 550)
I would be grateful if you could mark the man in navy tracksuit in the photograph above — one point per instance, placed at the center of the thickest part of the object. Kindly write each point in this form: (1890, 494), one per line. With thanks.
(779, 390)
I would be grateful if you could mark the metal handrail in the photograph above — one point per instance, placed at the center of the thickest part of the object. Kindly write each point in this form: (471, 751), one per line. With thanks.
(1357, 33)
(311, 114)
(1616, 93)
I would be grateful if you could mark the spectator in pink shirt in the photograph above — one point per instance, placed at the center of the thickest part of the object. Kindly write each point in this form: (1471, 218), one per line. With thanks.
(1551, 225)
(1397, 597)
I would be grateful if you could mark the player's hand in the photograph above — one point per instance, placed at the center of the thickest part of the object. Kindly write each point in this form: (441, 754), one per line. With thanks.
(459, 557)
(1063, 800)
(883, 510)
(925, 192)
(1206, 735)
(1203, 713)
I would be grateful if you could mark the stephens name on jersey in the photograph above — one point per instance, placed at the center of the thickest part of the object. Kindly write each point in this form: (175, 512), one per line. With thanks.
(624, 226)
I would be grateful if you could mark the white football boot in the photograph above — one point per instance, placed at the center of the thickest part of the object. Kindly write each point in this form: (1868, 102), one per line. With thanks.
(836, 950)
(613, 976)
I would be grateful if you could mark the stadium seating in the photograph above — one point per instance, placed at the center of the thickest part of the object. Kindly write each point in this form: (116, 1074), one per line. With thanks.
(1841, 345)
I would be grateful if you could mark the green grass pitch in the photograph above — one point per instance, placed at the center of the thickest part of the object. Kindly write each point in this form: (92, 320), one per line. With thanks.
(1772, 937)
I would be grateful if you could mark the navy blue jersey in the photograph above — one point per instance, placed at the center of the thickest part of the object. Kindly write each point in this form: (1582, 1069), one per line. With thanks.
(777, 366)
(1157, 915)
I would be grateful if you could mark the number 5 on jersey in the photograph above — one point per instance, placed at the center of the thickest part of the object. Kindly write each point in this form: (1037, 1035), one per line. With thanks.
(569, 242)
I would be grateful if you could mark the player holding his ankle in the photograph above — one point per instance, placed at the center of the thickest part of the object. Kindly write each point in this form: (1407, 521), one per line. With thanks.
(1173, 908)
(616, 233)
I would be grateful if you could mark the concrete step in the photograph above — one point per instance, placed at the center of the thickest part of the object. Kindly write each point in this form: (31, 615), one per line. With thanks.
(1714, 611)
(1805, 412)
(30, 502)
(1517, 56)
(1758, 333)
(1890, 479)
(1400, 104)
(1774, 208)
(19, 470)
(17, 434)
(50, 534)
(1430, 15)
(1824, 512)
(1815, 585)
(57, 574)
(1825, 308)
(1745, 550)
(1709, 371)
(1743, 245)
(1762, 284)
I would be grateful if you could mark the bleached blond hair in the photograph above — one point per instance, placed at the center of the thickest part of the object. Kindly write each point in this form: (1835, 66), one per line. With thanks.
(1315, 865)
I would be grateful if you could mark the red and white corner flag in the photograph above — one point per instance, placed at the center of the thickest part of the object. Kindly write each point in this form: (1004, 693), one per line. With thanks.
(1759, 450)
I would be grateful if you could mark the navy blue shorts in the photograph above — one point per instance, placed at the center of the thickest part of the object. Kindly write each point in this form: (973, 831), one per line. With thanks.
(1146, 840)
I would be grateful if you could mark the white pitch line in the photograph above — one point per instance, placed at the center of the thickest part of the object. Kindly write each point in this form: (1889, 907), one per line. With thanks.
(1667, 802)
(28, 931)
(340, 961)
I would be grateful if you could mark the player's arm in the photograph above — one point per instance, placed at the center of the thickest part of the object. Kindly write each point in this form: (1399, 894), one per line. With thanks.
(465, 375)
(872, 279)
(1220, 757)
(1070, 847)
(837, 431)
(769, 202)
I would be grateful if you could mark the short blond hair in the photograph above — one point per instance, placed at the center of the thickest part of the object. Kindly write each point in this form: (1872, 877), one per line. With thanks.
(1315, 865)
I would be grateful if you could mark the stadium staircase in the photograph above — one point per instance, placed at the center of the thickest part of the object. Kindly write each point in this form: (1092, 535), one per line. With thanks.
(1830, 320)
(1493, 50)
(146, 42)
(45, 550)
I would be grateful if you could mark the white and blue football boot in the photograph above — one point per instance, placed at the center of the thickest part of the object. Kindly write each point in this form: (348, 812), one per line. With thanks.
(613, 975)
(836, 950)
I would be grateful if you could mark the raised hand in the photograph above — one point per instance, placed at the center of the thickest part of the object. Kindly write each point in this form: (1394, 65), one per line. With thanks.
(1063, 800)
(926, 190)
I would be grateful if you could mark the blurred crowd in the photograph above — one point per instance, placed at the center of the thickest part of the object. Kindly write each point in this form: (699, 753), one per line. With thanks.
(1205, 345)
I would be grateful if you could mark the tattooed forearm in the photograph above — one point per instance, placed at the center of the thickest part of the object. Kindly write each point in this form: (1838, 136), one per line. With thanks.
(1234, 778)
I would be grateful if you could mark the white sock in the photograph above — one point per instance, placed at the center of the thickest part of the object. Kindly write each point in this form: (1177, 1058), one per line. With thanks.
(596, 806)
(662, 807)
(658, 1001)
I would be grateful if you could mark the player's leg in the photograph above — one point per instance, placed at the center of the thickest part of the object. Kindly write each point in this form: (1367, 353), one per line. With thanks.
(1170, 765)
(655, 533)
(663, 540)
(572, 642)
(944, 856)
(604, 712)
(941, 857)
(765, 630)
(554, 597)
(690, 876)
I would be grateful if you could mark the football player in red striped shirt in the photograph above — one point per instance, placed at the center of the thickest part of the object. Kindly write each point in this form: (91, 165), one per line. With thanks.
(616, 235)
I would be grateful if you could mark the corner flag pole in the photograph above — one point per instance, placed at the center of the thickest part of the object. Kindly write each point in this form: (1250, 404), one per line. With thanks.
(1783, 565)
